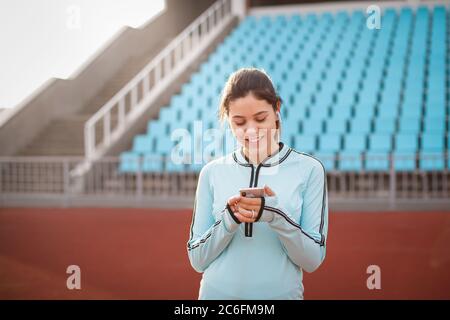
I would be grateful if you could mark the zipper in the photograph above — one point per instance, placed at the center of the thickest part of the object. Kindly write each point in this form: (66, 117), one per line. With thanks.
(253, 184)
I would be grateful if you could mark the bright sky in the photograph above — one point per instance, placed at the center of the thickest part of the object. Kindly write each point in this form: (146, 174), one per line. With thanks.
(41, 39)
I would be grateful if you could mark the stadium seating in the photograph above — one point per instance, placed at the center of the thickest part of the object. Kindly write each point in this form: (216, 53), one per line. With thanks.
(352, 96)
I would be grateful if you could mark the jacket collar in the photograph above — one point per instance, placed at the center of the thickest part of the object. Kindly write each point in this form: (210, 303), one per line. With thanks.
(272, 160)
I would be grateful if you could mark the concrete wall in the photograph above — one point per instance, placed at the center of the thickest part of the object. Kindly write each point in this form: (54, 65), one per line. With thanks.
(59, 97)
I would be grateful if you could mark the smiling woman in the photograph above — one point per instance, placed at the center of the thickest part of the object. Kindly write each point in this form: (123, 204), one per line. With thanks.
(252, 106)
(290, 220)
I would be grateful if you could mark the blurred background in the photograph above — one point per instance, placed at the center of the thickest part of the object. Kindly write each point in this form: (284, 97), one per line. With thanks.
(108, 112)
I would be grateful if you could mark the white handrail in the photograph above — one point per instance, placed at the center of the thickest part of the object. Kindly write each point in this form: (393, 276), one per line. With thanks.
(155, 77)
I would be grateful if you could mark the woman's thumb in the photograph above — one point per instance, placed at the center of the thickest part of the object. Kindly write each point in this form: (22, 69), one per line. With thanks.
(268, 191)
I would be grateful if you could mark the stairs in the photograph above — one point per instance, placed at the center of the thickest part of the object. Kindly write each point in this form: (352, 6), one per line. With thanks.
(65, 136)
(62, 137)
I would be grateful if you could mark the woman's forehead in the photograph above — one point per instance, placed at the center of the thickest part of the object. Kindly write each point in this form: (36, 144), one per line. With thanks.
(248, 106)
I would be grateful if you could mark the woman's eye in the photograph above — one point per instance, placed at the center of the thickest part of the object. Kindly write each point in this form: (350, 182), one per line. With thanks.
(260, 120)
(239, 123)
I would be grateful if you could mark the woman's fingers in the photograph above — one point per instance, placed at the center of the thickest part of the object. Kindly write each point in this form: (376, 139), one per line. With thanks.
(243, 218)
(250, 201)
(268, 191)
(249, 207)
(234, 200)
(245, 215)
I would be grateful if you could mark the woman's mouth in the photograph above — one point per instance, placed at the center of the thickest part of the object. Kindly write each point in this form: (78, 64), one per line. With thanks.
(253, 139)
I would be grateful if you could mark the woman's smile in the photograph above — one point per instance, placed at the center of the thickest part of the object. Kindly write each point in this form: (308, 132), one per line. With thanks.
(253, 139)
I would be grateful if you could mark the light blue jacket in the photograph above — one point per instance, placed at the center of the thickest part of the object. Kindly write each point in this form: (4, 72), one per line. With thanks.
(288, 237)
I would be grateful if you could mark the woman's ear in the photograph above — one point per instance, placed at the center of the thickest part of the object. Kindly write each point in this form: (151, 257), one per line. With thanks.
(277, 120)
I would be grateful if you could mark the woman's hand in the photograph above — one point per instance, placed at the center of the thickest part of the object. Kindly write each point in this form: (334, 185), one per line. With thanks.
(233, 201)
(243, 215)
(246, 209)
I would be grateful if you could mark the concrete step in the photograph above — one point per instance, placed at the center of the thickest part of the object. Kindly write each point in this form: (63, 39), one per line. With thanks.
(65, 136)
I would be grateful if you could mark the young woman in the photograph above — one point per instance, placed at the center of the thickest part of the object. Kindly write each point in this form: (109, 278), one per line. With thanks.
(289, 224)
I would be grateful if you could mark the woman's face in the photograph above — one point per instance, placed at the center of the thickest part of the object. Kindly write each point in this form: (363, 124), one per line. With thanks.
(252, 122)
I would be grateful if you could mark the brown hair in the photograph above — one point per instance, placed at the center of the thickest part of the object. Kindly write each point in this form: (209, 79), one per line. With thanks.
(245, 81)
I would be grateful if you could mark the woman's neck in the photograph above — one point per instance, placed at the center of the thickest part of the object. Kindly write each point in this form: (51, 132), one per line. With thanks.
(256, 156)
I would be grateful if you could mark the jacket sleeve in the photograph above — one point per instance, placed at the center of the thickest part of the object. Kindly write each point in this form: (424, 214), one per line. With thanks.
(208, 237)
(304, 241)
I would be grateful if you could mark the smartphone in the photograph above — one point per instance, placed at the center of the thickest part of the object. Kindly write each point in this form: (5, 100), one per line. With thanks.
(252, 192)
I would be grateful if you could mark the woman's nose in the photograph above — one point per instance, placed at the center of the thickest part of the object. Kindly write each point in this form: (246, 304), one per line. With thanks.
(251, 131)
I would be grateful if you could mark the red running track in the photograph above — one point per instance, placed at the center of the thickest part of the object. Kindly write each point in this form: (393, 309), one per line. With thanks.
(141, 254)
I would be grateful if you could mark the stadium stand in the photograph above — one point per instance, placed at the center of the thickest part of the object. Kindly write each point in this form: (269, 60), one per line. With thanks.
(352, 96)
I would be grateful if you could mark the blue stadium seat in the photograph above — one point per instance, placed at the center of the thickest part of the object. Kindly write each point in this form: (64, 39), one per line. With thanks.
(435, 109)
(167, 114)
(229, 143)
(406, 142)
(384, 125)
(152, 162)
(412, 110)
(448, 151)
(312, 126)
(409, 125)
(432, 161)
(171, 166)
(329, 143)
(404, 160)
(195, 167)
(432, 155)
(304, 143)
(434, 125)
(350, 161)
(350, 158)
(164, 145)
(156, 128)
(387, 111)
(380, 143)
(342, 111)
(129, 162)
(354, 142)
(318, 112)
(364, 112)
(328, 159)
(433, 142)
(336, 126)
(142, 144)
(377, 158)
(360, 126)
(291, 123)
(377, 161)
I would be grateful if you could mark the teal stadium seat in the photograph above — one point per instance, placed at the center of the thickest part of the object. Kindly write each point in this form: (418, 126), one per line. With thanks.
(360, 126)
(129, 162)
(409, 125)
(385, 125)
(305, 143)
(142, 143)
(406, 147)
(152, 162)
(432, 153)
(350, 158)
(377, 156)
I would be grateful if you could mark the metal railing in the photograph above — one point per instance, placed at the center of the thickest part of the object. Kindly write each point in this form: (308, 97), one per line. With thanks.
(108, 124)
(43, 177)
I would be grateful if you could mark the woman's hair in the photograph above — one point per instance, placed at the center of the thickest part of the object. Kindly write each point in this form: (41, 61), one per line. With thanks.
(245, 81)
